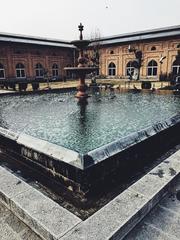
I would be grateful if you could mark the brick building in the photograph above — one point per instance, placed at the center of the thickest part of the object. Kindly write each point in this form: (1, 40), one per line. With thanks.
(159, 50)
(25, 57)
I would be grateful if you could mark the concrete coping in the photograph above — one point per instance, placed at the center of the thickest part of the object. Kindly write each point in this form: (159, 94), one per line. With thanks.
(9, 134)
(114, 220)
(52, 150)
(121, 144)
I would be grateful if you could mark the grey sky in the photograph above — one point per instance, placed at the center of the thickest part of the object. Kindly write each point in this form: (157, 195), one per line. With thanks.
(59, 18)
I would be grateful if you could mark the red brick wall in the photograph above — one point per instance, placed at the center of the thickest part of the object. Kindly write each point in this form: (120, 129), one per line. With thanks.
(29, 55)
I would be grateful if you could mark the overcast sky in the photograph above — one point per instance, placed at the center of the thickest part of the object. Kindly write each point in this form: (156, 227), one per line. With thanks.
(60, 18)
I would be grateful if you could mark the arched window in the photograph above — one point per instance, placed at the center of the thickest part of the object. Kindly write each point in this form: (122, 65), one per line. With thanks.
(69, 74)
(111, 52)
(39, 70)
(112, 69)
(152, 68)
(55, 70)
(153, 48)
(176, 67)
(178, 46)
(2, 71)
(129, 69)
(20, 71)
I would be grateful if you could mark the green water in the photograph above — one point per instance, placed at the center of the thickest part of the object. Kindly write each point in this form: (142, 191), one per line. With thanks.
(58, 118)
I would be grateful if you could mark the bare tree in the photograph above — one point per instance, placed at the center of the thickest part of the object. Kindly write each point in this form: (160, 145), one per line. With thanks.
(93, 52)
(95, 44)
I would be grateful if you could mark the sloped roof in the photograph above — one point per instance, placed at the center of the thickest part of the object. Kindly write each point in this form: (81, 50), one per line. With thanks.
(141, 35)
(158, 33)
(18, 38)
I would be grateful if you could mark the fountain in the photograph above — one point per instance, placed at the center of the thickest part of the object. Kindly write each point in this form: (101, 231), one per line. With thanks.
(81, 151)
(82, 69)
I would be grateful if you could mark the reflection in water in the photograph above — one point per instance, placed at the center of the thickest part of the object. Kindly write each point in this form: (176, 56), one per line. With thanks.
(3, 123)
(108, 116)
(82, 105)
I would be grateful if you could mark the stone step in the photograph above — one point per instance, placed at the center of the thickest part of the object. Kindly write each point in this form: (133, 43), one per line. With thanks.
(114, 221)
(40, 213)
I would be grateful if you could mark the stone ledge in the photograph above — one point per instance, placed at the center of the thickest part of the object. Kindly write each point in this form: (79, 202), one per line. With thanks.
(41, 214)
(101, 153)
(9, 134)
(122, 214)
(32, 146)
(113, 221)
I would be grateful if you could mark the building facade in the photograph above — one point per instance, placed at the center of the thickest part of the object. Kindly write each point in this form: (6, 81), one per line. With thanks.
(159, 49)
(24, 57)
(152, 54)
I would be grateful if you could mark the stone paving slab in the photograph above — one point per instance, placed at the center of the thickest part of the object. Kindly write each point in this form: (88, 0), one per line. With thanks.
(41, 214)
(163, 222)
(11, 228)
(148, 232)
(103, 224)
(123, 213)
(113, 221)
(171, 202)
(10, 186)
(154, 184)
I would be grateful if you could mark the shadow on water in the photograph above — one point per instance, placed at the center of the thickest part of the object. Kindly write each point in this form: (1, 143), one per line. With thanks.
(82, 106)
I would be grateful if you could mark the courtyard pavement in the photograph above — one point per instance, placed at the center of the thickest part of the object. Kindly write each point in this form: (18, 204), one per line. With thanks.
(118, 83)
(11, 228)
(163, 222)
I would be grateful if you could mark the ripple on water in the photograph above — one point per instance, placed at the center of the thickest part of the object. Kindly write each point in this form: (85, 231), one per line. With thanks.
(57, 117)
